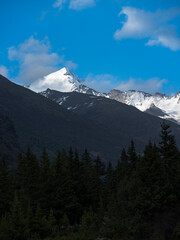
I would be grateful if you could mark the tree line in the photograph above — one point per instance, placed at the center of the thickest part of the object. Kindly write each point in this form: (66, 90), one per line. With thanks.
(80, 198)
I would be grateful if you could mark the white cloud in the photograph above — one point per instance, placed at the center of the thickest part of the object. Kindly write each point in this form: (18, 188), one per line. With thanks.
(4, 71)
(101, 82)
(59, 4)
(71, 65)
(74, 4)
(81, 4)
(153, 25)
(107, 82)
(167, 39)
(36, 59)
(150, 86)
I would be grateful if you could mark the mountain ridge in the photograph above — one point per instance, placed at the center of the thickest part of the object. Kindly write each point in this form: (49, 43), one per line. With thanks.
(66, 81)
(170, 106)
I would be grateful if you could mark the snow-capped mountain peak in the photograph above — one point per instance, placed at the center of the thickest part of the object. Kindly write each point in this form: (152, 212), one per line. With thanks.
(70, 76)
(62, 80)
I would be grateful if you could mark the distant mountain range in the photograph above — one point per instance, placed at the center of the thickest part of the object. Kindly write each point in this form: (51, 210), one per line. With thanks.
(159, 105)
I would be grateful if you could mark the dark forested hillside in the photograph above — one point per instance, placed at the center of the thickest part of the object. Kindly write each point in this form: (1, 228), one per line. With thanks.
(79, 198)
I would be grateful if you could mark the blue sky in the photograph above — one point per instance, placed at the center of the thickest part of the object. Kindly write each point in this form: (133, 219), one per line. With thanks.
(133, 44)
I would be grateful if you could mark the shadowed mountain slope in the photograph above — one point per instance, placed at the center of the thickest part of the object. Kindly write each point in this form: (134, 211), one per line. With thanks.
(40, 122)
(125, 120)
(102, 125)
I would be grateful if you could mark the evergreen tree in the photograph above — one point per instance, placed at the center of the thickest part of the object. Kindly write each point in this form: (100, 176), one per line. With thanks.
(17, 221)
(168, 147)
(171, 158)
(52, 226)
(40, 225)
(90, 224)
(58, 173)
(99, 166)
(86, 160)
(132, 156)
(124, 156)
(150, 182)
(45, 183)
(28, 175)
(5, 188)
(123, 167)
(110, 186)
(44, 166)
(176, 232)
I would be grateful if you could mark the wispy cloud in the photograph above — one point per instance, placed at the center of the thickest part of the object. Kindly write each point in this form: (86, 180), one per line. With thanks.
(150, 86)
(101, 82)
(71, 65)
(35, 59)
(107, 82)
(152, 25)
(43, 15)
(74, 4)
(59, 4)
(81, 4)
(4, 71)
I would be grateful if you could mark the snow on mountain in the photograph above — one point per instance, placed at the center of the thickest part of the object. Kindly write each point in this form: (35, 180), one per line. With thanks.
(86, 90)
(155, 104)
(64, 80)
